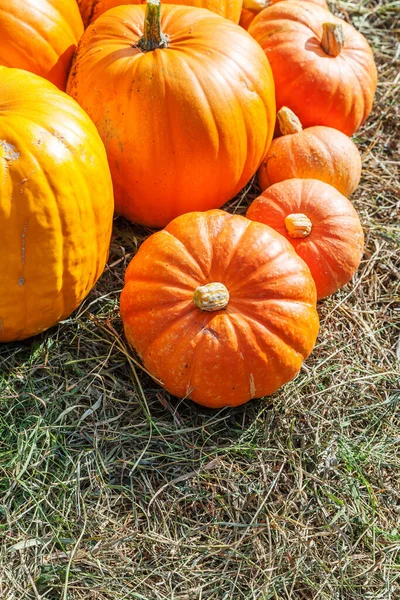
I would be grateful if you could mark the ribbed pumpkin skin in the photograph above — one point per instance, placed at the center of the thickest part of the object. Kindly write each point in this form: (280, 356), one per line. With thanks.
(320, 89)
(56, 205)
(334, 248)
(317, 152)
(321, 3)
(185, 127)
(254, 7)
(249, 349)
(40, 36)
(92, 9)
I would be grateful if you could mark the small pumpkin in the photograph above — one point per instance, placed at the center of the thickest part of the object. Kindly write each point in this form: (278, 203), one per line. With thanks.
(40, 36)
(320, 223)
(317, 152)
(186, 118)
(56, 205)
(220, 309)
(251, 8)
(323, 68)
(91, 9)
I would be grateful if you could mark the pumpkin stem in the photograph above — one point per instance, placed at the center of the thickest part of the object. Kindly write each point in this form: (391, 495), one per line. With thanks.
(255, 5)
(332, 38)
(210, 297)
(289, 123)
(153, 37)
(298, 225)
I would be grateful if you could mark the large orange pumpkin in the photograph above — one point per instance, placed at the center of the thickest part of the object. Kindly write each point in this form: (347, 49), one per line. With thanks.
(56, 205)
(91, 9)
(317, 152)
(320, 223)
(221, 309)
(40, 36)
(323, 68)
(186, 115)
(251, 8)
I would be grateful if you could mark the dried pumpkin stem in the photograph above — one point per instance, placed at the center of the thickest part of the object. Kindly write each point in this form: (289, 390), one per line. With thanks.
(289, 123)
(298, 225)
(211, 296)
(153, 37)
(332, 38)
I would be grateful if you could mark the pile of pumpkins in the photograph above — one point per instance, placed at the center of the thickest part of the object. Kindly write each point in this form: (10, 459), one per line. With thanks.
(163, 114)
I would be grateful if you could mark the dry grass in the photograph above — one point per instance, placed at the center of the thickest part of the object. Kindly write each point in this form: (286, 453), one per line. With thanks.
(110, 489)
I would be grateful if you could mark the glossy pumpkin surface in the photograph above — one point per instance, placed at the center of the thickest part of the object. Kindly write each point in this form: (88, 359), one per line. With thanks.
(219, 356)
(317, 152)
(56, 205)
(320, 223)
(185, 126)
(40, 36)
(91, 9)
(334, 86)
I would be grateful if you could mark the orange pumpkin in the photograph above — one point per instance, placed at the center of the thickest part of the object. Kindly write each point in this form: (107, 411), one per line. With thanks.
(320, 223)
(91, 9)
(323, 68)
(221, 309)
(251, 8)
(321, 3)
(40, 36)
(246, 17)
(317, 152)
(56, 205)
(186, 113)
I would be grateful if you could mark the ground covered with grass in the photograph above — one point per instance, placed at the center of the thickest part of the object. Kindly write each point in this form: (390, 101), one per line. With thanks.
(110, 489)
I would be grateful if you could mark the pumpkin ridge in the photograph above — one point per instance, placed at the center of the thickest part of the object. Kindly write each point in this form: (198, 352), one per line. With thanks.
(61, 235)
(22, 50)
(324, 150)
(362, 89)
(239, 334)
(49, 29)
(273, 331)
(199, 348)
(286, 17)
(327, 258)
(57, 233)
(233, 252)
(192, 260)
(66, 25)
(338, 216)
(305, 14)
(64, 14)
(251, 299)
(232, 92)
(193, 365)
(333, 94)
(220, 71)
(200, 88)
(255, 272)
(205, 322)
(146, 281)
(191, 308)
(270, 353)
